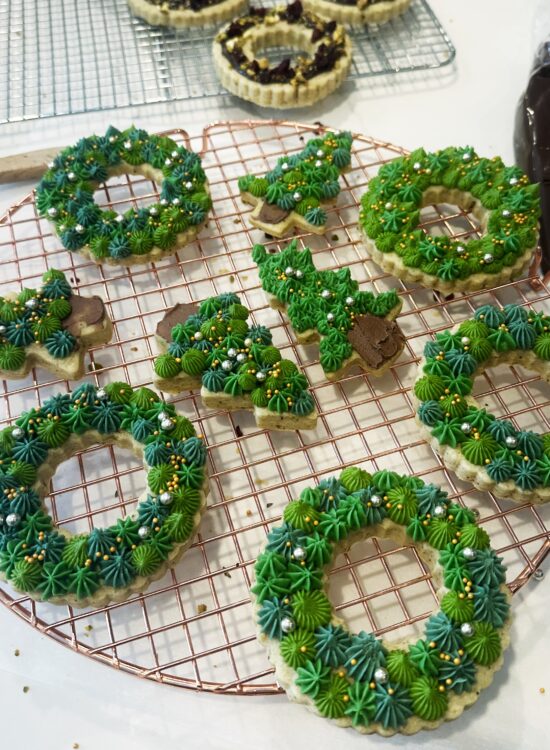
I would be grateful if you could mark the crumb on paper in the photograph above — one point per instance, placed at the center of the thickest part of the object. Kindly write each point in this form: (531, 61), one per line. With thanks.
(227, 574)
(17, 652)
(201, 609)
(238, 431)
(75, 745)
(26, 688)
(231, 279)
(249, 512)
(269, 505)
(542, 690)
(260, 481)
(93, 366)
(88, 628)
(133, 348)
(335, 238)
(245, 277)
(237, 220)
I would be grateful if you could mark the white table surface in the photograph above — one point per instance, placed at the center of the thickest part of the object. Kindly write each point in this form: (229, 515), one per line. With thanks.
(71, 699)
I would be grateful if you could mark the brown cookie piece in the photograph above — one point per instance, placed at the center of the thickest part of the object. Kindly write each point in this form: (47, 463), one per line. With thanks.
(85, 311)
(376, 340)
(177, 314)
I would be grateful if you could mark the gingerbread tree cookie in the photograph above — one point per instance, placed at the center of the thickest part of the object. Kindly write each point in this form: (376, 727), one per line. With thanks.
(212, 347)
(353, 327)
(52, 327)
(294, 193)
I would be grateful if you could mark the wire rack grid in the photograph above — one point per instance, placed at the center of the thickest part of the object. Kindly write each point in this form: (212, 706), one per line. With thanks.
(194, 628)
(62, 57)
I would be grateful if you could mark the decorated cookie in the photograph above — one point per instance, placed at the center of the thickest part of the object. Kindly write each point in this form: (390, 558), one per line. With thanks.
(356, 679)
(211, 346)
(489, 452)
(354, 328)
(295, 192)
(105, 564)
(51, 327)
(358, 12)
(313, 75)
(501, 199)
(65, 196)
(186, 13)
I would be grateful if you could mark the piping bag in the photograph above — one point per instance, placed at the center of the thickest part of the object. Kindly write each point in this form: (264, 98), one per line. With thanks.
(532, 140)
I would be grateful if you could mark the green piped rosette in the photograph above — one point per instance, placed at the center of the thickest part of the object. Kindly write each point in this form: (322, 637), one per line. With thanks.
(219, 349)
(506, 203)
(322, 303)
(357, 679)
(65, 196)
(104, 564)
(301, 183)
(489, 452)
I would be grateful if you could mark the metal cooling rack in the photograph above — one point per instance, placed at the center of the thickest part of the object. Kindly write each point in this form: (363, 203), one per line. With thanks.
(194, 628)
(61, 57)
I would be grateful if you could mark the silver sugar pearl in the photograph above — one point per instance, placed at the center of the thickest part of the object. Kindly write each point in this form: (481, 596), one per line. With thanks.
(174, 154)
(330, 317)
(416, 166)
(197, 336)
(128, 145)
(143, 532)
(468, 553)
(2, 330)
(12, 519)
(163, 415)
(287, 625)
(112, 139)
(388, 205)
(538, 575)
(166, 425)
(62, 227)
(168, 162)
(31, 304)
(511, 441)
(488, 258)
(153, 210)
(318, 163)
(260, 376)
(466, 157)
(119, 219)
(79, 229)
(1, 519)
(513, 181)
(466, 428)
(227, 365)
(284, 166)
(101, 393)
(326, 294)
(467, 629)
(381, 675)
(165, 498)
(460, 249)
(320, 153)
(189, 185)
(299, 273)
(506, 212)
(163, 202)
(465, 340)
(242, 357)
(176, 202)
(297, 197)
(71, 176)
(52, 212)
(289, 271)
(376, 501)
(440, 511)
(17, 433)
(247, 342)
(350, 301)
(299, 553)
(232, 353)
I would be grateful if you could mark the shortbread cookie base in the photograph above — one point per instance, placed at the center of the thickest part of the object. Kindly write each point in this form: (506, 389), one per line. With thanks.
(477, 475)
(311, 336)
(159, 15)
(286, 676)
(264, 417)
(156, 253)
(71, 367)
(281, 95)
(393, 263)
(281, 229)
(107, 594)
(380, 12)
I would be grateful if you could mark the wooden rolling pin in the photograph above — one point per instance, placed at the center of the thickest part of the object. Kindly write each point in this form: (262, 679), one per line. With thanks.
(28, 166)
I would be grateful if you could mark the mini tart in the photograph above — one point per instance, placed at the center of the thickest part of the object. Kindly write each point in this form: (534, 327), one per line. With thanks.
(501, 198)
(52, 327)
(488, 452)
(235, 364)
(185, 13)
(107, 564)
(353, 327)
(295, 193)
(355, 679)
(65, 196)
(358, 12)
(316, 73)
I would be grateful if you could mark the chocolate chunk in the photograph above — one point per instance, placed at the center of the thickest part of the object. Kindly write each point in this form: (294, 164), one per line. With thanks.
(85, 311)
(376, 340)
(177, 314)
(272, 214)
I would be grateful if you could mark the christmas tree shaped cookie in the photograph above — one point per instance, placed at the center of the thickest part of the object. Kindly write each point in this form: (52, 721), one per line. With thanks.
(353, 327)
(294, 193)
(52, 327)
(212, 347)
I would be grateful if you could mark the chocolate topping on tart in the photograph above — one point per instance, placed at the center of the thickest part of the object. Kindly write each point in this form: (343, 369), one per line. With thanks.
(177, 314)
(270, 213)
(85, 311)
(375, 339)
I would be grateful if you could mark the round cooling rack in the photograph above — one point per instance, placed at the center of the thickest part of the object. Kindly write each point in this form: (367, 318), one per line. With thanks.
(194, 628)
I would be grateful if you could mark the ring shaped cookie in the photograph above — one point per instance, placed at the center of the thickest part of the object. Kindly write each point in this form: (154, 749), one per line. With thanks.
(65, 196)
(314, 75)
(358, 12)
(106, 564)
(501, 198)
(354, 678)
(491, 453)
(186, 13)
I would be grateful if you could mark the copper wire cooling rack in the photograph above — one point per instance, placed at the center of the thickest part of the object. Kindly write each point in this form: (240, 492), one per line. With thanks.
(194, 628)
(59, 57)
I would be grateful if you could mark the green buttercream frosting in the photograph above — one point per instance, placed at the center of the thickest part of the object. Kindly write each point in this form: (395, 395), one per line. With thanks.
(298, 648)
(457, 607)
(484, 646)
(428, 701)
(354, 479)
(401, 668)
(311, 609)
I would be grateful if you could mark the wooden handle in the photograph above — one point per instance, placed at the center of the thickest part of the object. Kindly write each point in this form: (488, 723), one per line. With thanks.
(29, 166)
